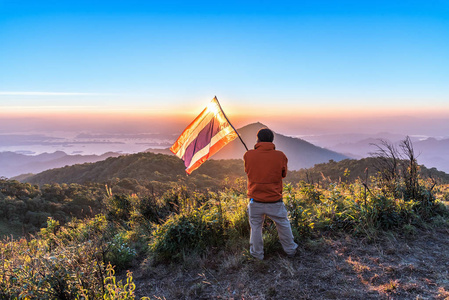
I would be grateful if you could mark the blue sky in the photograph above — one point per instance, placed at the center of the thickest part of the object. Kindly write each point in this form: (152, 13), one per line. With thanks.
(259, 57)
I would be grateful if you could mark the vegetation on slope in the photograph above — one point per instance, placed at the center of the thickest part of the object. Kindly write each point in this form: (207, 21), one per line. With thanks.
(25, 208)
(144, 167)
(362, 168)
(71, 261)
(182, 226)
(147, 169)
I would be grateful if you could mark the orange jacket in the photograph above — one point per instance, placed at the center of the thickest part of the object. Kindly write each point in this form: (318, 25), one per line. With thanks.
(265, 168)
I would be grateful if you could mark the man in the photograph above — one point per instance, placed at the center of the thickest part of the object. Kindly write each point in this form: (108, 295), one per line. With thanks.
(265, 168)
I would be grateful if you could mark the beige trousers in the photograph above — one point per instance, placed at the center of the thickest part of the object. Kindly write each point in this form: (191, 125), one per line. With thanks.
(276, 212)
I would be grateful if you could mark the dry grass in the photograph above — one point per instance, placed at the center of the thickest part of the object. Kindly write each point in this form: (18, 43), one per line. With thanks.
(327, 267)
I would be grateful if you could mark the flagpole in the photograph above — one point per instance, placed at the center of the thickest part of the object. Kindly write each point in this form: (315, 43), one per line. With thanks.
(231, 123)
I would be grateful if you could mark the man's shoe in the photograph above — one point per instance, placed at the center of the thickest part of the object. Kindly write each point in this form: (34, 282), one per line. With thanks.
(293, 254)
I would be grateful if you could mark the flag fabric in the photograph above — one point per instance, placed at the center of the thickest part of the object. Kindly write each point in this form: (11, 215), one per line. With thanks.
(204, 137)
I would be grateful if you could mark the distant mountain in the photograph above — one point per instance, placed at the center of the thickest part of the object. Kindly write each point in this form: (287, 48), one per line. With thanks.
(300, 153)
(431, 152)
(13, 164)
(330, 141)
(359, 149)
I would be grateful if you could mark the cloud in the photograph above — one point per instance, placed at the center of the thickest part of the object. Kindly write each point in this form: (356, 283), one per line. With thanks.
(9, 93)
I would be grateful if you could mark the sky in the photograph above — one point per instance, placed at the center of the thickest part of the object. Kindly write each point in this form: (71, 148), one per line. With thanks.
(301, 66)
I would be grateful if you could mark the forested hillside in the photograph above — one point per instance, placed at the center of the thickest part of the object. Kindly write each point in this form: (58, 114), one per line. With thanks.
(150, 167)
(143, 167)
(25, 208)
(351, 169)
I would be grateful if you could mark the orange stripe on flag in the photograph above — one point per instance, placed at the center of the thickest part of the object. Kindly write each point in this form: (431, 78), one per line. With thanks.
(187, 132)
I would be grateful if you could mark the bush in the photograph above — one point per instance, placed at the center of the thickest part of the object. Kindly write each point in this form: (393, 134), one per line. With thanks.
(235, 216)
(65, 262)
(119, 253)
(188, 232)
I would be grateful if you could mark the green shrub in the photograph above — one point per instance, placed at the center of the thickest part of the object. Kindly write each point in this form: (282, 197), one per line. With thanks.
(119, 253)
(30, 270)
(235, 215)
(188, 232)
(119, 207)
(299, 211)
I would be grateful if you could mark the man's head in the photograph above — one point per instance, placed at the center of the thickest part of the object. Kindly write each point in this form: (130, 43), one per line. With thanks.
(265, 135)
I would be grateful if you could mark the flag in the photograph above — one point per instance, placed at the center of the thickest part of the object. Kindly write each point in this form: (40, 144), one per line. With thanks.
(204, 137)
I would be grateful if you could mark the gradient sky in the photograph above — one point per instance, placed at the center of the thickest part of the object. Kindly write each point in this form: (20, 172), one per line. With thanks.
(262, 59)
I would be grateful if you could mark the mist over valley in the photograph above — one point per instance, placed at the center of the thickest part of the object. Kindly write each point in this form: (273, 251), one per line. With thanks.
(22, 153)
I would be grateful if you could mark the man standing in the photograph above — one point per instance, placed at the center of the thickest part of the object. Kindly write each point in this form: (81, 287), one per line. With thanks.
(265, 168)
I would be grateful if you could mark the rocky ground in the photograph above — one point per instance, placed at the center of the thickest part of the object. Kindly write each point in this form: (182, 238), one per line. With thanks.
(393, 266)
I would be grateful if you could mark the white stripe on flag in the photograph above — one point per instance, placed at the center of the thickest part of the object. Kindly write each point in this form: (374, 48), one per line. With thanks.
(194, 134)
(216, 138)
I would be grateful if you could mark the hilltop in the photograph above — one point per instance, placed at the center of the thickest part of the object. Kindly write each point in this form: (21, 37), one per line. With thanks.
(187, 236)
(191, 244)
(141, 167)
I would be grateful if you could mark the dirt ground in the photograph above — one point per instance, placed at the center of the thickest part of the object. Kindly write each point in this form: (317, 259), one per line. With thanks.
(393, 266)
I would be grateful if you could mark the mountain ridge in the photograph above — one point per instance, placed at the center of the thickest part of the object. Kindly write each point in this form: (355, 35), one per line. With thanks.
(156, 167)
(15, 164)
(431, 152)
(300, 153)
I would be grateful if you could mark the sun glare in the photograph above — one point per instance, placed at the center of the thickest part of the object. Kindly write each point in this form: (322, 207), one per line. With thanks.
(213, 108)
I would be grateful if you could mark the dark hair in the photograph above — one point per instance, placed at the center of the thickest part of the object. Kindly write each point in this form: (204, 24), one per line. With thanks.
(265, 135)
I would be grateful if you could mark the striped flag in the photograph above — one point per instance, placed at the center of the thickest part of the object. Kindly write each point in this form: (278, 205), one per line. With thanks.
(204, 137)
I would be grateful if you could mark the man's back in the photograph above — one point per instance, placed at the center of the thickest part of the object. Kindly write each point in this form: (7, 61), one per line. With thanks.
(265, 168)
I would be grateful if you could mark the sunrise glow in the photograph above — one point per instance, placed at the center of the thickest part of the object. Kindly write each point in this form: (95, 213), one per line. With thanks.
(147, 68)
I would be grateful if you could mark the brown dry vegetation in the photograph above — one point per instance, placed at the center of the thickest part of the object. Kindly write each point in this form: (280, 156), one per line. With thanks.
(392, 266)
